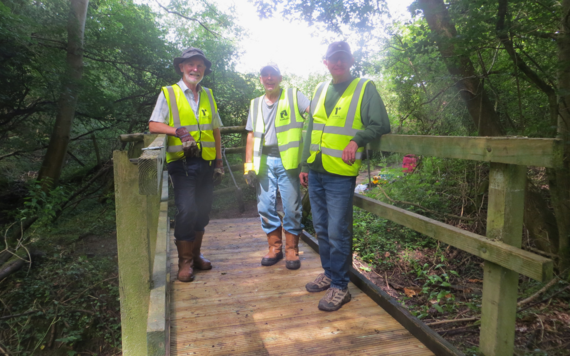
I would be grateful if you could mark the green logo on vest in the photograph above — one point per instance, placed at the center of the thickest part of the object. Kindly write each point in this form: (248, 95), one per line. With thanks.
(204, 112)
(283, 114)
(336, 110)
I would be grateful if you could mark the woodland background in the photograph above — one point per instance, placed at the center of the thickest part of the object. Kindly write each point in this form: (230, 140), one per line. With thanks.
(75, 74)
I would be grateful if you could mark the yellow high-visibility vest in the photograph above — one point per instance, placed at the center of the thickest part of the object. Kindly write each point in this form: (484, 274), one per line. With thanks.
(181, 114)
(331, 134)
(288, 127)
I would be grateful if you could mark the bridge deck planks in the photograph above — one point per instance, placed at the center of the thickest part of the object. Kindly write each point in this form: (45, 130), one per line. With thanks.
(242, 308)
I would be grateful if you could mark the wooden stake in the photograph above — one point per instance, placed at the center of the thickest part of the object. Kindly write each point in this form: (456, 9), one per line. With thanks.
(500, 285)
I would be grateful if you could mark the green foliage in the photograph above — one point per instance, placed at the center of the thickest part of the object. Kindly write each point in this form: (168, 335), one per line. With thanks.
(381, 242)
(73, 294)
(333, 14)
(41, 204)
(128, 57)
(71, 288)
(428, 101)
(305, 85)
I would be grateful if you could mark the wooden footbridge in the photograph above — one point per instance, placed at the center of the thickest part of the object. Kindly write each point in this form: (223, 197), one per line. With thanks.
(242, 308)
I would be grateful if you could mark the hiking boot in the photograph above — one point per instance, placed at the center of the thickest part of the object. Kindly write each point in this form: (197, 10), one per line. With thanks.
(292, 251)
(275, 242)
(185, 270)
(320, 284)
(199, 261)
(334, 299)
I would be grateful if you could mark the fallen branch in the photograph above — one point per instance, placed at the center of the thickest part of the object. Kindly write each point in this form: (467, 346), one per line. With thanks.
(14, 263)
(543, 300)
(453, 321)
(458, 330)
(546, 287)
(22, 314)
(547, 254)
(3, 351)
(425, 209)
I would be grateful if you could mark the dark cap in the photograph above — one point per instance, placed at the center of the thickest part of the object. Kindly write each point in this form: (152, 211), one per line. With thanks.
(336, 47)
(272, 66)
(189, 53)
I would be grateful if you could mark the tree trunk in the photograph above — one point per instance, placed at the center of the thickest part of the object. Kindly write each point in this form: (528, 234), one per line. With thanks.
(539, 220)
(469, 85)
(485, 118)
(57, 148)
(560, 178)
(503, 35)
(542, 224)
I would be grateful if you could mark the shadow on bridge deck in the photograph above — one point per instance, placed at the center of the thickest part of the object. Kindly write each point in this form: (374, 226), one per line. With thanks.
(242, 308)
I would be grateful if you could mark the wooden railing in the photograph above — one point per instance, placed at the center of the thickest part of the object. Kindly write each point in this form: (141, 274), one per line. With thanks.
(501, 248)
(142, 236)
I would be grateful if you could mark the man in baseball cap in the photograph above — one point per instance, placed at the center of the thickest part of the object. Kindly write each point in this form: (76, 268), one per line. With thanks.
(346, 114)
(187, 113)
(272, 157)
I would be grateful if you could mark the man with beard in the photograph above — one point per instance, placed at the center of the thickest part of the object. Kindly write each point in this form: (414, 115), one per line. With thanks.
(346, 114)
(187, 113)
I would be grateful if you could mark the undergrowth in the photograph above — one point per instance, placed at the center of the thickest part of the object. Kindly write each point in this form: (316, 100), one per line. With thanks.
(67, 300)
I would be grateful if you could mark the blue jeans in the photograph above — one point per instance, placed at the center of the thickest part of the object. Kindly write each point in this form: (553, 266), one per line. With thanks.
(331, 205)
(273, 176)
(193, 195)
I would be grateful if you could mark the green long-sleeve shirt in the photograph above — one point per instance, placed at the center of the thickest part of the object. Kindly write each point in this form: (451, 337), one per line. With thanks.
(372, 112)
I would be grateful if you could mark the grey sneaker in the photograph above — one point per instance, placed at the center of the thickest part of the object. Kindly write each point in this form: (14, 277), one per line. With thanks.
(320, 284)
(334, 299)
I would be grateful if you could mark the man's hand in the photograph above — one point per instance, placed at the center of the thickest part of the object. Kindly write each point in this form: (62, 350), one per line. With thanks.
(218, 172)
(349, 153)
(304, 178)
(189, 145)
(218, 175)
(249, 175)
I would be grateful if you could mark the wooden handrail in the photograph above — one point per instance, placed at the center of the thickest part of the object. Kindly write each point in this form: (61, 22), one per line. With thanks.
(515, 259)
(541, 152)
(501, 250)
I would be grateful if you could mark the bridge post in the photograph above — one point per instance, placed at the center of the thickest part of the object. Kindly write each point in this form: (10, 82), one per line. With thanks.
(500, 285)
(136, 219)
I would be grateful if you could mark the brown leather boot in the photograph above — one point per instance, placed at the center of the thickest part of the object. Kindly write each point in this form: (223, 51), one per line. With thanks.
(275, 242)
(199, 261)
(185, 271)
(292, 251)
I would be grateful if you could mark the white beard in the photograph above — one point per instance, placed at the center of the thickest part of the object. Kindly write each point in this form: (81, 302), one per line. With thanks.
(192, 79)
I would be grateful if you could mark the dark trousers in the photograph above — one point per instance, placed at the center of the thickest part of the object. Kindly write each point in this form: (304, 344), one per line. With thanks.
(193, 193)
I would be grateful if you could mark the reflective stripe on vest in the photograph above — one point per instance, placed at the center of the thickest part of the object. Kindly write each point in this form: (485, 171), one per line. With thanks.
(182, 115)
(331, 134)
(288, 128)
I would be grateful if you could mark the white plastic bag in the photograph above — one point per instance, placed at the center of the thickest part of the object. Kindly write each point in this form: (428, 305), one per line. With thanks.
(360, 188)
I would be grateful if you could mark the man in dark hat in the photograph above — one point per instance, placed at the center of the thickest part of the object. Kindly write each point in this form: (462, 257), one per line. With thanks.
(346, 114)
(273, 154)
(187, 113)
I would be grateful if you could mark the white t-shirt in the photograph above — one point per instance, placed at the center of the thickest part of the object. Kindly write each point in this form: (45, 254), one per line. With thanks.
(269, 113)
(161, 114)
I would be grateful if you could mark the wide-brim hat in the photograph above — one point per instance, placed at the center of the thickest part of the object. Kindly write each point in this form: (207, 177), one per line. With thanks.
(190, 53)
